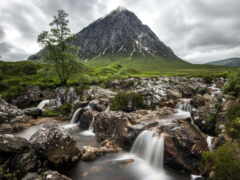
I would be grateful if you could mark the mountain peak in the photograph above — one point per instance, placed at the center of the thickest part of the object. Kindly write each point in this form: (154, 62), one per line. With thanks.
(121, 9)
(120, 33)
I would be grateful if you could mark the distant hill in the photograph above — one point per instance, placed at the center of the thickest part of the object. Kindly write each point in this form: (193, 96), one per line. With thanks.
(120, 33)
(231, 62)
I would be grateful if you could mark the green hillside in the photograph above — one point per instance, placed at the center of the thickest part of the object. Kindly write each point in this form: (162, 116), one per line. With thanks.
(15, 77)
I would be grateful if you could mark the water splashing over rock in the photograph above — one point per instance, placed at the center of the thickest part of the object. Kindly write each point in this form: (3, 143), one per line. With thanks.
(150, 147)
(43, 103)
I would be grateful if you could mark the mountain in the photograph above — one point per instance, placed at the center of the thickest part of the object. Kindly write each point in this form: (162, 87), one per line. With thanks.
(232, 62)
(120, 33)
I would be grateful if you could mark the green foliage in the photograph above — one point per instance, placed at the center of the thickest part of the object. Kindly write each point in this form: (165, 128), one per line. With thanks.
(233, 85)
(58, 51)
(233, 121)
(233, 128)
(51, 113)
(233, 112)
(129, 101)
(225, 162)
(65, 109)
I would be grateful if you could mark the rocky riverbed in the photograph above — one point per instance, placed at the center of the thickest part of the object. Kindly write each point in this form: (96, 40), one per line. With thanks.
(94, 140)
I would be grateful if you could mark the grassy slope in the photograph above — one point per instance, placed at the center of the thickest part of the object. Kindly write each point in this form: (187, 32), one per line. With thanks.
(15, 77)
(154, 67)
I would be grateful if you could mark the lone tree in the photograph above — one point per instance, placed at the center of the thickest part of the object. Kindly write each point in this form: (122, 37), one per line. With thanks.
(59, 52)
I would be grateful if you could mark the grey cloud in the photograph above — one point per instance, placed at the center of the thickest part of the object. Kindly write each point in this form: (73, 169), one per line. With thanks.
(2, 33)
(193, 29)
(9, 52)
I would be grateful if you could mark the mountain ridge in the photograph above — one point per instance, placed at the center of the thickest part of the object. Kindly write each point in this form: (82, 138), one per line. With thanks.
(230, 62)
(120, 32)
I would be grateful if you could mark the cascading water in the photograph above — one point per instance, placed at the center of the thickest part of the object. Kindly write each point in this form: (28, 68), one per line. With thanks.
(43, 103)
(75, 116)
(209, 142)
(150, 147)
(90, 131)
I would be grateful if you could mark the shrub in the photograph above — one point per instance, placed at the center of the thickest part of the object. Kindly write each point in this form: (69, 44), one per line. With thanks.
(233, 112)
(65, 109)
(233, 85)
(225, 162)
(233, 128)
(129, 101)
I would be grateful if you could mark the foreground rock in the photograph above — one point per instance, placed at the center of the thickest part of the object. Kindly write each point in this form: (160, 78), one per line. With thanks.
(10, 113)
(55, 145)
(17, 157)
(48, 175)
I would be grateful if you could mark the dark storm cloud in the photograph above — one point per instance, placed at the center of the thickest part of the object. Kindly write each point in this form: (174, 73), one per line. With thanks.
(196, 30)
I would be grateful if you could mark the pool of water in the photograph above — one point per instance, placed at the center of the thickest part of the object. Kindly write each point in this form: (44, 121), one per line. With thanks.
(121, 167)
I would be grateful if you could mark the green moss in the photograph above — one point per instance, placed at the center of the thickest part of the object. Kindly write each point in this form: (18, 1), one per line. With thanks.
(129, 101)
(51, 113)
(225, 162)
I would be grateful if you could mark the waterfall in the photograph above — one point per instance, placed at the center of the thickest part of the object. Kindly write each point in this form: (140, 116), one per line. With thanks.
(150, 147)
(43, 103)
(209, 142)
(90, 131)
(185, 106)
(196, 177)
(75, 116)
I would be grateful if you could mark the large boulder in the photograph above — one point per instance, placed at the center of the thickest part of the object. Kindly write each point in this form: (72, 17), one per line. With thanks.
(112, 125)
(13, 144)
(9, 113)
(54, 175)
(55, 145)
(31, 96)
(17, 157)
(184, 146)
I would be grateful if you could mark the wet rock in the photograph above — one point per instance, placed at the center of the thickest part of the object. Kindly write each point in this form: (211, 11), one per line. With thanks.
(98, 93)
(183, 146)
(26, 162)
(34, 112)
(13, 144)
(91, 153)
(32, 96)
(111, 125)
(54, 175)
(85, 118)
(17, 156)
(174, 94)
(99, 104)
(8, 112)
(55, 145)
(198, 101)
(32, 176)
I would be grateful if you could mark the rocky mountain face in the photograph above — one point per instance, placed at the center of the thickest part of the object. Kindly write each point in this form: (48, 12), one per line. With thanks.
(119, 33)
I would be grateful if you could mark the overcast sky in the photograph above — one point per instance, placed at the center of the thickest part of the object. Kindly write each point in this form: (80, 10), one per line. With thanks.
(197, 30)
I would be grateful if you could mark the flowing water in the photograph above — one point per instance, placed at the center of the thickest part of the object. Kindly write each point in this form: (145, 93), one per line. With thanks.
(75, 116)
(43, 103)
(210, 142)
(150, 148)
(144, 162)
